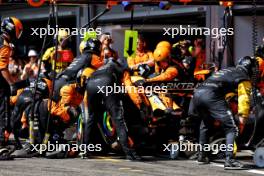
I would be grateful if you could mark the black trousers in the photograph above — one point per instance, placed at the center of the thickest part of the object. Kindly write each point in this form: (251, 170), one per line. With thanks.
(209, 105)
(4, 109)
(113, 104)
(4, 116)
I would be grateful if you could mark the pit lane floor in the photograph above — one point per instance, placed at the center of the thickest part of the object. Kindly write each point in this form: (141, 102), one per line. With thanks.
(116, 166)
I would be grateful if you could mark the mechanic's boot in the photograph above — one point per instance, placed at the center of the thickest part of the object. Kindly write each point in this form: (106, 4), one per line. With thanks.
(57, 154)
(231, 164)
(25, 152)
(203, 158)
(5, 153)
(131, 155)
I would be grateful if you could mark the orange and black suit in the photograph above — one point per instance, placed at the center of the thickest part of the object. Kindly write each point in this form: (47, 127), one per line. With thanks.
(71, 96)
(108, 75)
(209, 103)
(87, 59)
(133, 63)
(168, 74)
(60, 112)
(5, 52)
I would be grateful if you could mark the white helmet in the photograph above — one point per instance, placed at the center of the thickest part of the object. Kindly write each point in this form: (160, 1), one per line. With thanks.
(32, 53)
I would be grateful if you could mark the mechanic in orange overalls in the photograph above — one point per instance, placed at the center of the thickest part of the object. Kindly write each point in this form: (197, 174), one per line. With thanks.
(143, 57)
(168, 73)
(71, 96)
(11, 29)
(90, 57)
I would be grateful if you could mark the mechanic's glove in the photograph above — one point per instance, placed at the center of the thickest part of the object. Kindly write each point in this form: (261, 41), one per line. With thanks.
(143, 70)
(140, 83)
(141, 66)
(13, 90)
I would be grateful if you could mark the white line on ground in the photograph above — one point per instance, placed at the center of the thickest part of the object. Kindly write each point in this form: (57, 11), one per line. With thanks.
(254, 171)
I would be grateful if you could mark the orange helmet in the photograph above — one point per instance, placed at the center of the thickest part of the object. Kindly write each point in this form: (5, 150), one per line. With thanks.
(165, 44)
(12, 26)
(161, 54)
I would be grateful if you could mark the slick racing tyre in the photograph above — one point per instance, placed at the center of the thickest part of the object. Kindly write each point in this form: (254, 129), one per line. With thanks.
(259, 157)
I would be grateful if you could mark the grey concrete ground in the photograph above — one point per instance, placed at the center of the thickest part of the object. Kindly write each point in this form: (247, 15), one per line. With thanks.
(115, 166)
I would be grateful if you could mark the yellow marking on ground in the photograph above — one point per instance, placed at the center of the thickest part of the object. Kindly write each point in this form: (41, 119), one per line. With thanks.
(135, 170)
(124, 168)
(108, 159)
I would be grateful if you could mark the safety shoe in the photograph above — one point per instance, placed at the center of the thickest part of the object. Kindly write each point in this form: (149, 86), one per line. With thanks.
(231, 164)
(24, 152)
(56, 154)
(203, 158)
(133, 156)
(5, 153)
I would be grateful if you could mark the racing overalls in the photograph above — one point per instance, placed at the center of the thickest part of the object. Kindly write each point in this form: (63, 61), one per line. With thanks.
(87, 59)
(108, 75)
(168, 74)
(5, 52)
(68, 76)
(71, 96)
(209, 103)
(23, 100)
(61, 116)
(140, 58)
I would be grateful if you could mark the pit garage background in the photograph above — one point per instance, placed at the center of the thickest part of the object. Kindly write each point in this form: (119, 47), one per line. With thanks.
(148, 19)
